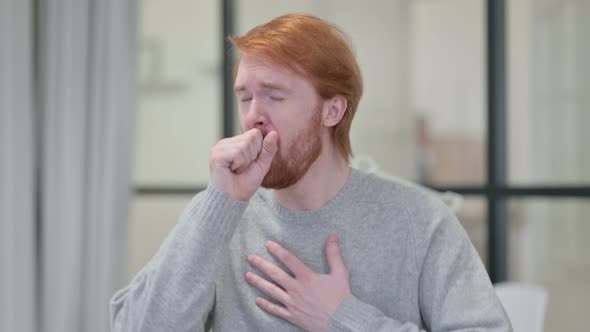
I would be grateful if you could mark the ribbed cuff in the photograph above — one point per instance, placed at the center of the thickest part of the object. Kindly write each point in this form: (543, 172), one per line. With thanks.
(353, 315)
(218, 212)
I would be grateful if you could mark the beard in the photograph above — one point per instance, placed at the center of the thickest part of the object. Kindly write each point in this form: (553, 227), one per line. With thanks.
(290, 165)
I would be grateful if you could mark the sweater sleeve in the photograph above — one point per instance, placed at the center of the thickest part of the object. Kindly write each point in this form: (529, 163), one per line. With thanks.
(176, 290)
(455, 292)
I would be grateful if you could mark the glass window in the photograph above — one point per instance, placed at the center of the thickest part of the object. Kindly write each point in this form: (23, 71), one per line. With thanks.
(179, 115)
(448, 96)
(473, 216)
(549, 103)
(549, 247)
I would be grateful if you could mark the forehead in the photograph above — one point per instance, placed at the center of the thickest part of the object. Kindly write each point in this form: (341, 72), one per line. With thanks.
(256, 71)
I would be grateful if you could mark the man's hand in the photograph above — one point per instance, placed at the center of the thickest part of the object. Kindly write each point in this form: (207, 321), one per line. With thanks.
(237, 165)
(310, 299)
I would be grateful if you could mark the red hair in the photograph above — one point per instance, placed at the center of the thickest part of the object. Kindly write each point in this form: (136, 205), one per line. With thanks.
(316, 50)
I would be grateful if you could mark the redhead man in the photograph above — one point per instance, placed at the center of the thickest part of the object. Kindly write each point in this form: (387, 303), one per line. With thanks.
(287, 236)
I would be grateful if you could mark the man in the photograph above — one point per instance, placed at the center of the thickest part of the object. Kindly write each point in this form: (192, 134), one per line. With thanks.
(247, 258)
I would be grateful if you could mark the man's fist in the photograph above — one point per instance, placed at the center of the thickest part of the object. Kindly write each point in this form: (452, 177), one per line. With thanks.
(238, 164)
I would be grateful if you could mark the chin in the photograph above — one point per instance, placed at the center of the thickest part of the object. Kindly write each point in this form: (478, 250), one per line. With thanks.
(282, 175)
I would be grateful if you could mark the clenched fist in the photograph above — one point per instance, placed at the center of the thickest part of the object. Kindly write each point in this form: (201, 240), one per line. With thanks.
(238, 164)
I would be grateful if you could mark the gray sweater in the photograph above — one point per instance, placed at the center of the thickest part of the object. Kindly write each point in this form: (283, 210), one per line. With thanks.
(411, 264)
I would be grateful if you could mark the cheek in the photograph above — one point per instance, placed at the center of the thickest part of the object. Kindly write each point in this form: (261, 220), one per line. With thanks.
(242, 124)
(288, 120)
(242, 119)
(285, 137)
(288, 136)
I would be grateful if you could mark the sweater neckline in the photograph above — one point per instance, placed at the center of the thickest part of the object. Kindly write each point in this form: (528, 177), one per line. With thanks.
(330, 209)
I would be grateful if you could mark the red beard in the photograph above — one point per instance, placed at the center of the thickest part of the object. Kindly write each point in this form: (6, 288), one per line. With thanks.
(303, 150)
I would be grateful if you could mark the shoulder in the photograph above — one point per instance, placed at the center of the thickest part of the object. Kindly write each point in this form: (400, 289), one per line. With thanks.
(422, 209)
(417, 201)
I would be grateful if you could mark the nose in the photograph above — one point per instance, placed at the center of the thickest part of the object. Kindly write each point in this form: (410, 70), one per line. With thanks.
(256, 117)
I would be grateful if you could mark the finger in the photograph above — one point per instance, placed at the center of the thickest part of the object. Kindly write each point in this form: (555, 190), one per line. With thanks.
(250, 146)
(274, 309)
(220, 155)
(267, 287)
(225, 154)
(240, 160)
(334, 255)
(257, 144)
(272, 271)
(244, 149)
(269, 150)
(251, 141)
(231, 157)
(241, 137)
(294, 264)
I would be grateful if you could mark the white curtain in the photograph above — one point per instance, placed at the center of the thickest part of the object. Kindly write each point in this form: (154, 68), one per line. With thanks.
(67, 96)
(88, 87)
(17, 172)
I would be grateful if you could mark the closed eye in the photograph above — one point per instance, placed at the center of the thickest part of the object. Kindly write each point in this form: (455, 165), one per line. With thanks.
(275, 98)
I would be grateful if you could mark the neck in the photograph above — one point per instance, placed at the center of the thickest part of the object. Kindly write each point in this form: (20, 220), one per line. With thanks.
(324, 179)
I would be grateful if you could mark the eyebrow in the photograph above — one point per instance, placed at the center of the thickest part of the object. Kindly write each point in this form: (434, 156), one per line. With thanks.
(264, 85)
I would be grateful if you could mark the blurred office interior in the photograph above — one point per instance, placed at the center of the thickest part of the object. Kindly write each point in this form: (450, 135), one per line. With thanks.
(109, 109)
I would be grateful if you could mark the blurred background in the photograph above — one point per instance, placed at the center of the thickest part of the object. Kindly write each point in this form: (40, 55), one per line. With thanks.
(109, 109)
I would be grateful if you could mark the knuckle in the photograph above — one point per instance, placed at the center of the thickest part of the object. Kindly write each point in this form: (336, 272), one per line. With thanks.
(296, 292)
(294, 307)
(275, 292)
(269, 306)
(283, 255)
(290, 303)
(274, 274)
(242, 153)
(246, 148)
(255, 279)
(266, 145)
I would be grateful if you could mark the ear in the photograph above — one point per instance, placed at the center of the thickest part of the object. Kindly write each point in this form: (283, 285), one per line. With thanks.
(333, 111)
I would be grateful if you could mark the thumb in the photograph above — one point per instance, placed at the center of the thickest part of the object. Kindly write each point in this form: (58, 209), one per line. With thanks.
(334, 256)
(269, 150)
